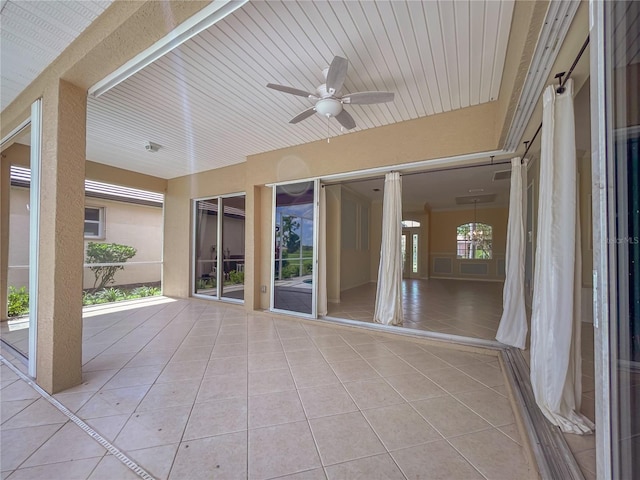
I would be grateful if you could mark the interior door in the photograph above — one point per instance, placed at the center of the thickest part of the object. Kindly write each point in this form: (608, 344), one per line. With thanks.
(410, 243)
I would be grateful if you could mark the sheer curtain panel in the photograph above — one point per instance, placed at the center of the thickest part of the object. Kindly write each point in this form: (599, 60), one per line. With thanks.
(555, 322)
(513, 324)
(388, 309)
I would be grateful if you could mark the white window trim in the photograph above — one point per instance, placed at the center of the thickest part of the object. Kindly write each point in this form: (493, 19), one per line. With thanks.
(101, 223)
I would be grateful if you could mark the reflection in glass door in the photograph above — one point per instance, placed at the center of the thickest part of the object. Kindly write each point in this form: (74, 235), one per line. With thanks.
(615, 89)
(232, 249)
(218, 247)
(294, 251)
(21, 331)
(205, 247)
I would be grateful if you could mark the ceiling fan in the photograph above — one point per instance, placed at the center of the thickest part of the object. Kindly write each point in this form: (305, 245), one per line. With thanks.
(328, 102)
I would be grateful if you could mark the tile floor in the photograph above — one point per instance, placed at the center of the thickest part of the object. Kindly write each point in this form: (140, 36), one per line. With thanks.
(471, 309)
(466, 308)
(193, 389)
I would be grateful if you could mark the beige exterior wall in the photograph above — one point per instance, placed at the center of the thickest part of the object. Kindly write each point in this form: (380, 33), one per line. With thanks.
(18, 275)
(416, 140)
(138, 226)
(18, 155)
(443, 240)
(179, 226)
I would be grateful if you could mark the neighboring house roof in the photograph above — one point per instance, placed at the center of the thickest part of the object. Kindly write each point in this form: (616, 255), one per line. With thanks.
(207, 206)
(21, 177)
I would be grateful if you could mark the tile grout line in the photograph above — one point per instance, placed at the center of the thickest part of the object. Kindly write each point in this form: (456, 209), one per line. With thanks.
(173, 461)
(360, 410)
(407, 402)
(304, 410)
(137, 469)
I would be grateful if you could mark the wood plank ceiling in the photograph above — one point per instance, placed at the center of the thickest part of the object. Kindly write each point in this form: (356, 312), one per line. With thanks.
(206, 103)
(34, 33)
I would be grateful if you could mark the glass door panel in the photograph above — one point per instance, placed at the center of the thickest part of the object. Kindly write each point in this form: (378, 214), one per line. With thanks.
(622, 97)
(233, 228)
(206, 247)
(293, 279)
(403, 246)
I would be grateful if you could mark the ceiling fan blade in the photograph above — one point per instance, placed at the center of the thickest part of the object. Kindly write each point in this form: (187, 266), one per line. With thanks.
(291, 90)
(367, 98)
(336, 75)
(346, 120)
(302, 115)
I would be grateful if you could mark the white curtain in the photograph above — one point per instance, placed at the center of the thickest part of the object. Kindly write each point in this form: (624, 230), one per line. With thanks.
(388, 309)
(513, 324)
(322, 253)
(555, 322)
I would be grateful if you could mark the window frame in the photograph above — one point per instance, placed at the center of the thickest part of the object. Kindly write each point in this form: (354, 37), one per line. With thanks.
(101, 223)
(465, 242)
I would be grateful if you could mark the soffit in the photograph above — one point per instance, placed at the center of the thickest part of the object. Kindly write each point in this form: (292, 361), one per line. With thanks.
(34, 33)
(207, 106)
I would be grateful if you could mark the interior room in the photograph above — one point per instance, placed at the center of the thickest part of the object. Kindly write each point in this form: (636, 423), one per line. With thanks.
(447, 287)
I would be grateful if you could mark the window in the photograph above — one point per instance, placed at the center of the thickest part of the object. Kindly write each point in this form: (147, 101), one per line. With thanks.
(94, 222)
(410, 224)
(474, 241)
(414, 253)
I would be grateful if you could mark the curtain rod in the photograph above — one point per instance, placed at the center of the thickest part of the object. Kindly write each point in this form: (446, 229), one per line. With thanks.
(560, 89)
(434, 170)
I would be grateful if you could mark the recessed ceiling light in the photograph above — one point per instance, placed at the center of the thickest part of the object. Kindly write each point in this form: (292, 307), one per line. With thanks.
(476, 190)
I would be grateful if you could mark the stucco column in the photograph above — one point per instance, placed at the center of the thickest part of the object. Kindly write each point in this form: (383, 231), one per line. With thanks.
(61, 257)
(5, 187)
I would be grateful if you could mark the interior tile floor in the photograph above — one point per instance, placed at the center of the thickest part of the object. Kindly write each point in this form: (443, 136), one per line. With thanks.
(466, 308)
(193, 389)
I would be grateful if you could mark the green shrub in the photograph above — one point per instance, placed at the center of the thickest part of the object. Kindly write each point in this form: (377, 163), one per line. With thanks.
(143, 291)
(307, 267)
(290, 271)
(111, 294)
(236, 277)
(88, 298)
(18, 301)
(107, 253)
(204, 283)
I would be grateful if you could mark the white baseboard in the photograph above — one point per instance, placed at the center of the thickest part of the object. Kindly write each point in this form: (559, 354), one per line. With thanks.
(468, 279)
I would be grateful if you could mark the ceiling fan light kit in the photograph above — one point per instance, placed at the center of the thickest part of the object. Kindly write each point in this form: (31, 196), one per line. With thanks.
(328, 102)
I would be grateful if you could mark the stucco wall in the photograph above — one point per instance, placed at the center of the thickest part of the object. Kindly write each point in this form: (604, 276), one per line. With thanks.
(139, 226)
(411, 141)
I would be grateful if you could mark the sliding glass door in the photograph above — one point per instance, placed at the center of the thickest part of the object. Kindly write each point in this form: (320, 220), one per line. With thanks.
(232, 256)
(23, 197)
(219, 247)
(615, 87)
(294, 257)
